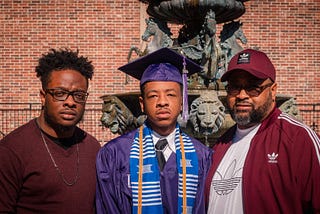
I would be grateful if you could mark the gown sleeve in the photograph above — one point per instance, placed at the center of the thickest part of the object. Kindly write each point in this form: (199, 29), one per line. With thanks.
(106, 201)
(113, 194)
(204, 163)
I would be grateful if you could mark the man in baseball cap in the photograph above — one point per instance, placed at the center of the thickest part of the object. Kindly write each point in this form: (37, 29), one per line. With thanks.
(268, 162)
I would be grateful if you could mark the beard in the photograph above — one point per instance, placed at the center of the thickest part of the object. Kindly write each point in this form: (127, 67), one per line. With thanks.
(255, 116)
(57, 126)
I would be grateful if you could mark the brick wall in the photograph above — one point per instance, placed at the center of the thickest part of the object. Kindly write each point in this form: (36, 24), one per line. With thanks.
(288, 30)
(103, 31)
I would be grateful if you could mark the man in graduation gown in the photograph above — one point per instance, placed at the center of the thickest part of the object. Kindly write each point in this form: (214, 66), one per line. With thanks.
(131, 176)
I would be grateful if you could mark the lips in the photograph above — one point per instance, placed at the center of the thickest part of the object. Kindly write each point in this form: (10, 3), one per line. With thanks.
(163, 113)
(68, 115)
(243, 106)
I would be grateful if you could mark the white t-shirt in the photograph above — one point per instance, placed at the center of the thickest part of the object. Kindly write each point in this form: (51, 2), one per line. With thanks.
(226, 184)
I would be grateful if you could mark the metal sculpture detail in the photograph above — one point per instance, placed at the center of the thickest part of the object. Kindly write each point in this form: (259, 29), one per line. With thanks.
(161, 37)
(207, 114)
(290, 107)
(117, 117)
(198, 41)
(185, 11)
(230, 34)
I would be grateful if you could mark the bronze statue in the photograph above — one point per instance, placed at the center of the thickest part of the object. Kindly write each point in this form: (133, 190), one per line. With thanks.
(197, 40)
(117, 117)
(161, 37)
(230, 34)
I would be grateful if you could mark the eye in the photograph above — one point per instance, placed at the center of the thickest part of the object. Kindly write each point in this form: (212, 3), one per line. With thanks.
(171, 95)
(151, 95)
(80, 95)
(253, 88)
(232, 89)
(60, 93)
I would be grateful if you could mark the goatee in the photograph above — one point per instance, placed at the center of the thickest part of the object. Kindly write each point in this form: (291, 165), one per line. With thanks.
(254, 116)
(56, 126)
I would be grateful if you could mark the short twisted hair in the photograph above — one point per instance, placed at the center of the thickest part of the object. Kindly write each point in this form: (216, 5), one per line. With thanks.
(62, 59)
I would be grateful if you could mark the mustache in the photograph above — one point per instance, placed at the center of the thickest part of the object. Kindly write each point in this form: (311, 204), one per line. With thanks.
(242, 102)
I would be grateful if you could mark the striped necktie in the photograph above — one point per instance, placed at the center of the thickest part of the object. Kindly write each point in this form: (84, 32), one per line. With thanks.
(160, 145)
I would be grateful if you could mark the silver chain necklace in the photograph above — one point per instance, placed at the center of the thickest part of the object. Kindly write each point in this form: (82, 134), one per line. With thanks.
(56, 166)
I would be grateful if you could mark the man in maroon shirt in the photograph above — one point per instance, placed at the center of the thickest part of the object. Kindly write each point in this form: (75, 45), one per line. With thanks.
(48, 164)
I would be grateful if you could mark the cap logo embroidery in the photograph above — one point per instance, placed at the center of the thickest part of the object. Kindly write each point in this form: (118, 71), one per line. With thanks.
(273, 158)
(243, 58)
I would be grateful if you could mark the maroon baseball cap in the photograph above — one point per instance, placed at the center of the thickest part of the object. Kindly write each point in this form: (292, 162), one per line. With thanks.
(255, 62)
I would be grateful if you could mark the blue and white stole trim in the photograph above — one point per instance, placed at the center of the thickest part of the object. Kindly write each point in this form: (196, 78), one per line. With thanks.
(148, 190)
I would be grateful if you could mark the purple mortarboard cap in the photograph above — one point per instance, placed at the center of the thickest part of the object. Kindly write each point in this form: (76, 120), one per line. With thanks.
(163, 65)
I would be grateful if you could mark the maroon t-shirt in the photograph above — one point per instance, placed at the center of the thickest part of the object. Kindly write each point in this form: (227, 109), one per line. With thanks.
(29, 182)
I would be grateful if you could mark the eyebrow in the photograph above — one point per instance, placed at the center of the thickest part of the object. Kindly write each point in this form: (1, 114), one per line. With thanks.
(250, 82)
(64, 89)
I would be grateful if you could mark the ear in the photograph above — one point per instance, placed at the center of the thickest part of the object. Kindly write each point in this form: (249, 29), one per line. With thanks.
(42, 97)
(274, 88)
(141, 104)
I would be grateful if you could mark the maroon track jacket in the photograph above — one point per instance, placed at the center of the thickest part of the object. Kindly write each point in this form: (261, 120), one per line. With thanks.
(281, 173)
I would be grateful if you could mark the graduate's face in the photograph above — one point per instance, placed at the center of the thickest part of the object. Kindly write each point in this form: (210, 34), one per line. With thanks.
(162, 102)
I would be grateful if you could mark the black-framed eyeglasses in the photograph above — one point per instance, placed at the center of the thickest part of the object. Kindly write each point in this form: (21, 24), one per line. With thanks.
(252, 91)
(61, 94)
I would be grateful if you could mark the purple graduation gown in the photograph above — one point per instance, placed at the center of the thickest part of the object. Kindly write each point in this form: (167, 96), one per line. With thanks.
(113, 194)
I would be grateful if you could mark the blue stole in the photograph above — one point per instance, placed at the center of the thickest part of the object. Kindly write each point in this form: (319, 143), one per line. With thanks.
(148, 190)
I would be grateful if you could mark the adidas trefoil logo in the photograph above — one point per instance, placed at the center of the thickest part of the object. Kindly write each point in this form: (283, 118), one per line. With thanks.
(244, 58)
(273, 158)
(244, 55)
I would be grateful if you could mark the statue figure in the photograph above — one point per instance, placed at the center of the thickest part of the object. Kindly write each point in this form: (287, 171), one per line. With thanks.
(161, 34)
(190, 43)
(229, 36)
(117, 117)
(207, 113)
(211, 55)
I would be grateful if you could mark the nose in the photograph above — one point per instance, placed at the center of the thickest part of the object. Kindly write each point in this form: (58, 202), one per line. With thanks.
(69, 100)
(162, 101)
(242, 94)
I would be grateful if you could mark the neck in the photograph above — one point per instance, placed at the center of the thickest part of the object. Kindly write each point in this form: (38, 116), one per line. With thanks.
(163, 131)
(247, 126)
